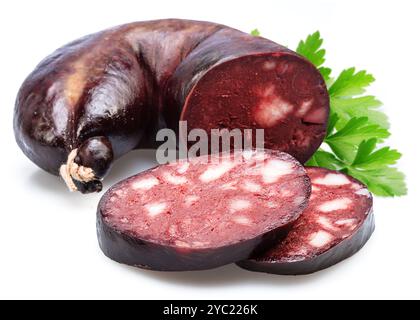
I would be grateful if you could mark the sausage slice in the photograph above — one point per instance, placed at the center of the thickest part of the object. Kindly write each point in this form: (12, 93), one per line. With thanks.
(202, 213)
(337, 223)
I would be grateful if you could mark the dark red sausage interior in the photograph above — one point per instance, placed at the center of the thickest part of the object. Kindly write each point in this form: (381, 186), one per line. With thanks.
(336, 224)
(196, 215)
(278, 93)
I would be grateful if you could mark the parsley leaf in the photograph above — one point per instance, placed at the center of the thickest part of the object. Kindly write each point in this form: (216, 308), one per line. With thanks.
(356, 127)
(369, 166)
(372, 168)
(346, 101)
(325, 73)
(365, 106)
(368, 158)
(387, 182)
(325, 159)
(350, 83)
(345, 142)
(255, 33)
(311, 49)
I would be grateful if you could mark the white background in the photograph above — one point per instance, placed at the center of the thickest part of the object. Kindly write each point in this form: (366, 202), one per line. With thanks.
(48, 246)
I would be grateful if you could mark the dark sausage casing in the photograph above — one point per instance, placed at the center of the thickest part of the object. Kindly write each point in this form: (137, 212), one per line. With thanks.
(103, 95)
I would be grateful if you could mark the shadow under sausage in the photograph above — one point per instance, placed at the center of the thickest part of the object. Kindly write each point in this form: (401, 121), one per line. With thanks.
(228, 275)
(48, 182)
(52, 186)
(130, 164)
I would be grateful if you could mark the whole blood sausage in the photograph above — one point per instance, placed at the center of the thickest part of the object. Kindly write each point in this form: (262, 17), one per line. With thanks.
(199, 214)
(336, 224)
(103, 95)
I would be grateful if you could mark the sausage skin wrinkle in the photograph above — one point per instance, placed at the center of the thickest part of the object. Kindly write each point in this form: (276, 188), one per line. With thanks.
(336, 224)
(199, 214)
(99, 97)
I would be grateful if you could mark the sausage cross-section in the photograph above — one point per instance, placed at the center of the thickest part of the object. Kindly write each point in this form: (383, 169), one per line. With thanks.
(336, 224)
(99, 97)
(200, 214)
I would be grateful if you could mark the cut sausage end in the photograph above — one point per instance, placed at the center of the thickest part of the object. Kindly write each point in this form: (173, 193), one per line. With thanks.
(280, 93)
(198, 225)
(336, 224)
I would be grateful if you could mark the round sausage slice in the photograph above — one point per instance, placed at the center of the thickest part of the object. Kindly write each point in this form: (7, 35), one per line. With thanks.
(202, 213)
(337, 223)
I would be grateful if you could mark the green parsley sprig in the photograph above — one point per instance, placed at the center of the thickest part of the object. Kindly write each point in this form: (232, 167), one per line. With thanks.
(255, 33)
(356, 129)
